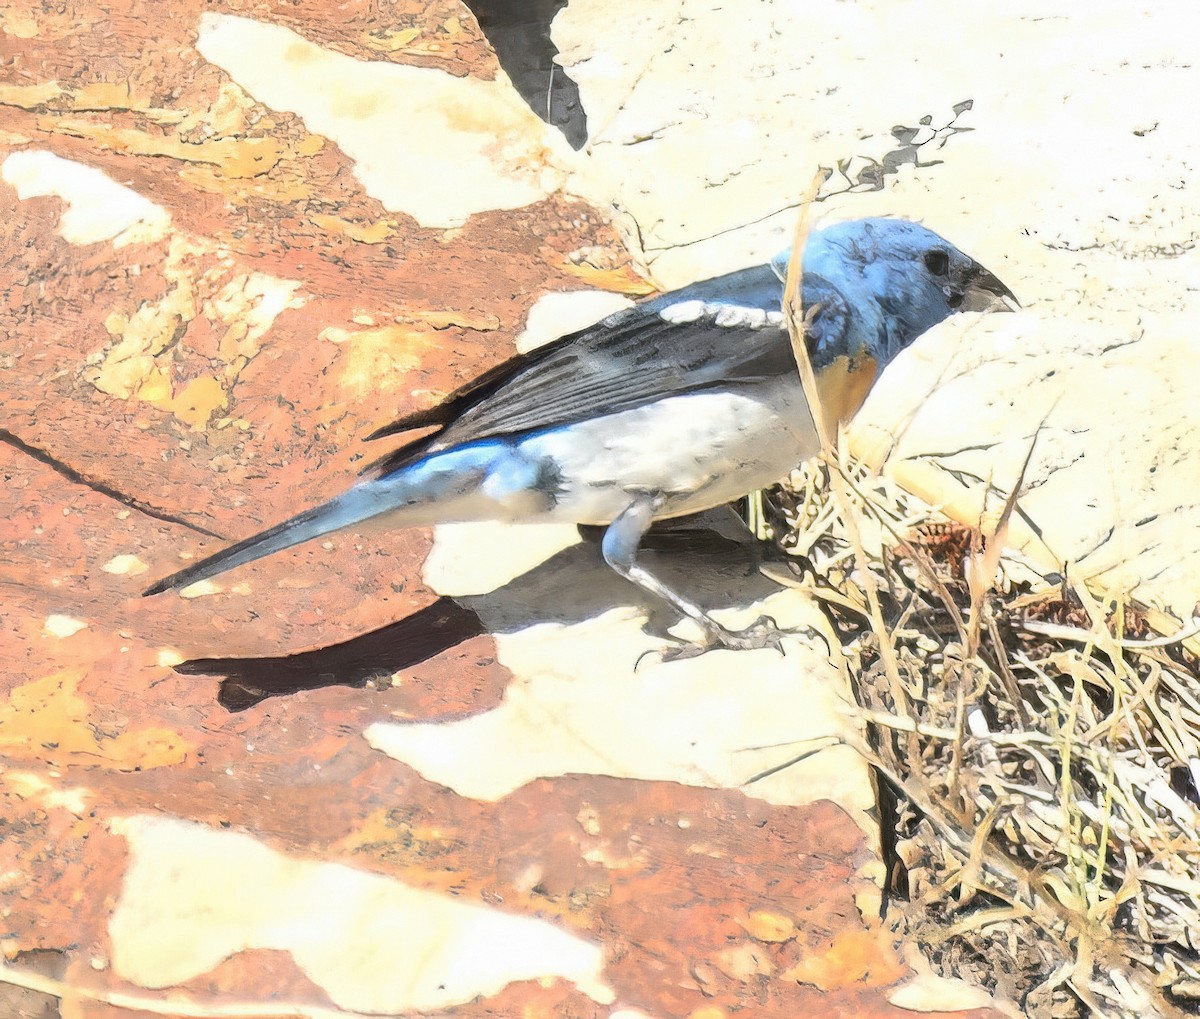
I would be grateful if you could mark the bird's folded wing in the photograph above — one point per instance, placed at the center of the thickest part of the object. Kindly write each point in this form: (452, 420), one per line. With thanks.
(724, 330)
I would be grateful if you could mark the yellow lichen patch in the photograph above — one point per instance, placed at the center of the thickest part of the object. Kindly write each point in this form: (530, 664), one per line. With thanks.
(30, 97)
(376, 830)
(128, 366)
(743, 963)
(198, 401)
(309, 145)
(285, 189)
(621, 280)
(96, 96)
(124, 378)
(229, 114)
(854, 958)
(48, 720)
(366, 233)
(434, 44)
(230, 157)
(141, 363)
(213, 143)
(155, 386)
(762, 925)
(19, 27)
(378, 359)
(106, 95)
(389, 41)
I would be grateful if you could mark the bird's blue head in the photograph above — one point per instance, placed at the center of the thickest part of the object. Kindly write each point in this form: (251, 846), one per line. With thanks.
(878, 284)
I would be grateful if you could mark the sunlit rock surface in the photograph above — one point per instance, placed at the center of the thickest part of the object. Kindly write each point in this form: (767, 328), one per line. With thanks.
(239, 238)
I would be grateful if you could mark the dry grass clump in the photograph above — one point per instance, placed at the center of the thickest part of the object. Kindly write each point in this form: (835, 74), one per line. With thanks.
(1038, 743)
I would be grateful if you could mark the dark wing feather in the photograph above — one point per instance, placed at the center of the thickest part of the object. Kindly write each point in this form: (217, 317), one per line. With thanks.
(626, 360)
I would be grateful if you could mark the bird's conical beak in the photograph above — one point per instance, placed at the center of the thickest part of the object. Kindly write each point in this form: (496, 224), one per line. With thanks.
(984, 291)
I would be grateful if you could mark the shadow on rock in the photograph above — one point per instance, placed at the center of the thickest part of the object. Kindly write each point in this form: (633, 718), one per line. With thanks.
(572, 586)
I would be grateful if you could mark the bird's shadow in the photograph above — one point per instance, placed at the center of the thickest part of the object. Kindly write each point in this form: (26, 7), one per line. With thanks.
(715, 570)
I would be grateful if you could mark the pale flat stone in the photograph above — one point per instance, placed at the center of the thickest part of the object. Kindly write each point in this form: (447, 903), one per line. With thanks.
(1116, 464)
(707, 124)
(372, 943)
(126, 565)
(98, 208)
(426, 143)
(200, 589)
(577, 705)
(555, 315)
(62, 626)
(475, 558)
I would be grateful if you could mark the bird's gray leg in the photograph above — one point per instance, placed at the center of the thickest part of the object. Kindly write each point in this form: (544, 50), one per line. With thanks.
(620, 547)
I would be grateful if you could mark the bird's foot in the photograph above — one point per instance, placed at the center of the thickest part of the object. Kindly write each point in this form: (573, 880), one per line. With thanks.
(764, 632)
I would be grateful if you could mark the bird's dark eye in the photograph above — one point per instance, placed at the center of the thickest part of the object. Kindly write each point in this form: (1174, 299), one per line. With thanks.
(937, 262)
(954, 299)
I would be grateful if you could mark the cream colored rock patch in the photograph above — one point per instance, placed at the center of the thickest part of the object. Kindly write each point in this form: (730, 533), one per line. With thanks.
(62, 626)
(200, 589)
(577, 705)
(428, 144)
(193, 897)
(707, 123)
(247, 305)
(1112, 413)
(475, 558)
(126, 565)
(555, 315)
(31, 786)
(98, 208)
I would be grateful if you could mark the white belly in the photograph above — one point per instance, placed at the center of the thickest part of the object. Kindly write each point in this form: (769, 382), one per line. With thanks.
(698, 451)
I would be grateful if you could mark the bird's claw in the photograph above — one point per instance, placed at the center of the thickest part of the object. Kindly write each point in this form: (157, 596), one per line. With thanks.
(764, 632)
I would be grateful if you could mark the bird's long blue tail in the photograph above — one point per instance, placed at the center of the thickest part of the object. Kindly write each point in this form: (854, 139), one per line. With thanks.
(419, 493)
